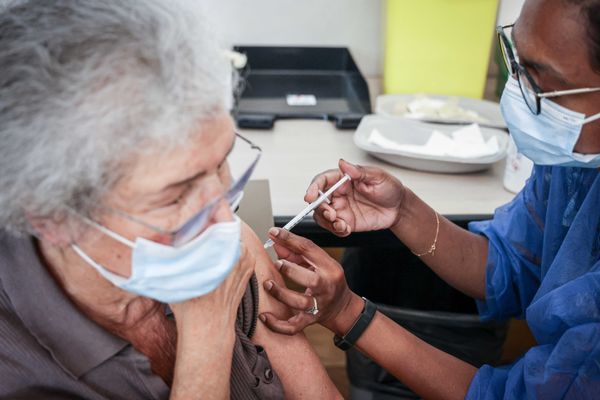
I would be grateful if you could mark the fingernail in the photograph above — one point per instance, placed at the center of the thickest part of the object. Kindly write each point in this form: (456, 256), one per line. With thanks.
(262, 318)
(326, 214)
(268, 285)
(274, 232)
(278, 264)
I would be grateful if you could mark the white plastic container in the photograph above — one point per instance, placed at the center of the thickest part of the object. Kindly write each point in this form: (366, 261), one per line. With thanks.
(407, 131)
(518, 168)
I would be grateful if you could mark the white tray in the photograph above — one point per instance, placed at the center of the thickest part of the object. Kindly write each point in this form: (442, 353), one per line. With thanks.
(414, 132)
(391, 105)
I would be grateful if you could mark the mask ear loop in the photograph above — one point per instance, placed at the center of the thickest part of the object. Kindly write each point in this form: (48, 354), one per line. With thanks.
(117, 279)
(591, 118)
(110, 233)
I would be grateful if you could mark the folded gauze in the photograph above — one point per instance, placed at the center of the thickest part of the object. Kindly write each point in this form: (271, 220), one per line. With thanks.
(466, 142)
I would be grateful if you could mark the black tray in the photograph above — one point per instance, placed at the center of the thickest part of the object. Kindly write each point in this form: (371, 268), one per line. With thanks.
(328, 75)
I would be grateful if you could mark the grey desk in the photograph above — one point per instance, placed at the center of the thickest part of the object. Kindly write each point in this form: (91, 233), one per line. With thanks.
(296, 150)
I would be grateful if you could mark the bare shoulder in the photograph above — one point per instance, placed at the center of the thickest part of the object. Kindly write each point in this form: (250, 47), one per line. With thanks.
(297, 365)
(264, 270)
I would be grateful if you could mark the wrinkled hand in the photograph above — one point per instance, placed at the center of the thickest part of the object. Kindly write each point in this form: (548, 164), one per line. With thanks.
(370, 201)
(306, 264)
(222, 302)
(206, 336)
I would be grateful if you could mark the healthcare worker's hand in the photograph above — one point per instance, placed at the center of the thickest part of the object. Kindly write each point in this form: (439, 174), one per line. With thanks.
(370, 201)
(308, 265)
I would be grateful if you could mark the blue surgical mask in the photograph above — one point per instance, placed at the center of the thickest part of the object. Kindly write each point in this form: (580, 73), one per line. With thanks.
(175, 274)
(548, 138)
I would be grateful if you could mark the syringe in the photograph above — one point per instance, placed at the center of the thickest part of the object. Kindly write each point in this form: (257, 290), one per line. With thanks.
(323, 197)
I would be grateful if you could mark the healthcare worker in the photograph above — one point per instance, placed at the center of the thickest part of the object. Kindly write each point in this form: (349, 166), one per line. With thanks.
(538, 258)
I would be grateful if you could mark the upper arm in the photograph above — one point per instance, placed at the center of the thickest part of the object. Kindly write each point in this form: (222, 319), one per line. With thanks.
(296, 363)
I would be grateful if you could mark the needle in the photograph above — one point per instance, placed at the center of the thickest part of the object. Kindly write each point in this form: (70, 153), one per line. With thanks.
(322, 198)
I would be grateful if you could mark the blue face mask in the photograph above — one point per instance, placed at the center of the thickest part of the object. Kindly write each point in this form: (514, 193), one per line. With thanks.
(548, 138)
(175, 274)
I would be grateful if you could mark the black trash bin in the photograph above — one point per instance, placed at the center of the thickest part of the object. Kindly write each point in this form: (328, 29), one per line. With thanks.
(408, 292)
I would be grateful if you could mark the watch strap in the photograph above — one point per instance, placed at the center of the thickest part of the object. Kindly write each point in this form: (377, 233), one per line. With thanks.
(360, 325)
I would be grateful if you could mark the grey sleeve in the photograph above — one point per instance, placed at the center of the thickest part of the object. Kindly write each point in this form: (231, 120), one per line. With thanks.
(19, 355)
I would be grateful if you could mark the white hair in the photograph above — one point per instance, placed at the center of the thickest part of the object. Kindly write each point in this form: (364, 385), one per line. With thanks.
(86, 83)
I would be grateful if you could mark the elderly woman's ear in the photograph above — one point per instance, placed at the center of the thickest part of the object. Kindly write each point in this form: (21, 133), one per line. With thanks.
(57, 230)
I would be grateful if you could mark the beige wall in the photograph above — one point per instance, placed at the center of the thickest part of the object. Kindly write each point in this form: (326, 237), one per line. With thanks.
(352, 23)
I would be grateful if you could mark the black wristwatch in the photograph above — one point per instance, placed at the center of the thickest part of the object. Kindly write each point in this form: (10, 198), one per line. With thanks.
(363, 321)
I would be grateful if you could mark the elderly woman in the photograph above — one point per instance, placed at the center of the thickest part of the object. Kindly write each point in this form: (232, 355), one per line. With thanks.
(115, 203)
(538, 258)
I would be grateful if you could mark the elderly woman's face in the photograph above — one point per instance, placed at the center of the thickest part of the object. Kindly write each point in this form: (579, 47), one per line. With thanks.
(551, 41)
(164, 189)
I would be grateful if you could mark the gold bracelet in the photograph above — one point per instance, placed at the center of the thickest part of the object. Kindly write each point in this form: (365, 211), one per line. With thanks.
(432, 248)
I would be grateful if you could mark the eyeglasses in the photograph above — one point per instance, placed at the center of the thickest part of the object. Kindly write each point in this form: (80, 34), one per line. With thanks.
(531, 92)
(241, 163)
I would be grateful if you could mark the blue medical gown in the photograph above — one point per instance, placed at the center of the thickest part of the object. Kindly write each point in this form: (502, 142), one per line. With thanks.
(544, 265)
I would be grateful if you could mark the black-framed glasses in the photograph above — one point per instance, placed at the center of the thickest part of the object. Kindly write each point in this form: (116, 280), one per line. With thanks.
(532, 93)
(241, 163)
